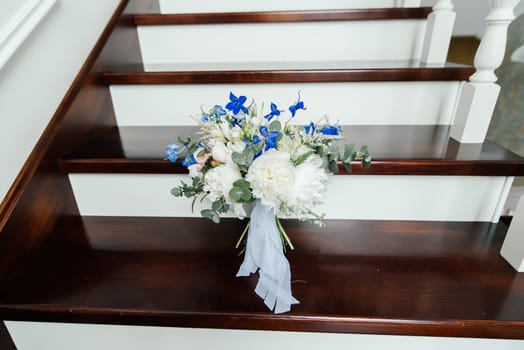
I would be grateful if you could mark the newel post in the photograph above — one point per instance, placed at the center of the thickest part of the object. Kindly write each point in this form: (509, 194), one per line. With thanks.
(438, 33)
(479, 96)
(513, 246)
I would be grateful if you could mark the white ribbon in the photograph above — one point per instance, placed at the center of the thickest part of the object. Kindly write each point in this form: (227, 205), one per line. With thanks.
(264, 251)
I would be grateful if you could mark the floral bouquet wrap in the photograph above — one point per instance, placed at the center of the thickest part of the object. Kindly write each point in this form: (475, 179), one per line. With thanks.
(283, 169)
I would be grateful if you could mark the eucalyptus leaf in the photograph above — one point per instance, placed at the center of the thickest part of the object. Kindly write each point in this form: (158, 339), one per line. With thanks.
(238, 159)
(216, 205)
(176, 191)
(243, 183)
(249, 155)
(236, 194)
(192, 149)
(240, 194)
(185, 140)
(348, 167)
(275, 126)
(333, 167)
(211, 215)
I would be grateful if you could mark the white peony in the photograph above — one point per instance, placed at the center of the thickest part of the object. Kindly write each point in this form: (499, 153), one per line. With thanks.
(271, 175)
(309, 188)
(219, 181)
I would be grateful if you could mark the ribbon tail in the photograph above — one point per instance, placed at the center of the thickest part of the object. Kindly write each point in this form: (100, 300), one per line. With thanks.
(264, 252)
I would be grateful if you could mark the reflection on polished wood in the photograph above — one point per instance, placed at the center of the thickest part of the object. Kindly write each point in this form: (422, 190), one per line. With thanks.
(292, 65)
(396, 150)
(283, 16)
(413, 278)
(278, 72)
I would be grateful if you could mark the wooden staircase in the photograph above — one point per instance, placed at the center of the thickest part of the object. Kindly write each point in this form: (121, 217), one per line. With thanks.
(89, 233)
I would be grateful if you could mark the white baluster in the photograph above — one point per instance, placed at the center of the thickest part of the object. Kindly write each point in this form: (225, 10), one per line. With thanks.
(439, 29)
(479, 96)
(407, 3)
(513, 246)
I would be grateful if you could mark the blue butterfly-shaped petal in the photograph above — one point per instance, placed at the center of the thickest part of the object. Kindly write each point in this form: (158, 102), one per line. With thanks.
(217, 112)
(293, 108)
(236, 104)
(331, 130)
(275, 112)
(270, 137)
(310, 129)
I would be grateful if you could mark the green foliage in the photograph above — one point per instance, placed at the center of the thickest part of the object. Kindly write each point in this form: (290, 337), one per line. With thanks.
(211, 215)
(302, 158)
(240, 192)
(275, 125)
(185, 140)
(185, 190)
(243, 160)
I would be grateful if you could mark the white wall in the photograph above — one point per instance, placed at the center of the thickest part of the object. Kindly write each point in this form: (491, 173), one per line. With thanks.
(471, 15)
(37, 76)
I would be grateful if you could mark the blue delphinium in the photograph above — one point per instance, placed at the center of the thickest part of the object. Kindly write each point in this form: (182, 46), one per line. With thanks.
(217, 112)
(172, 152)
(189, 160)
(310, 129)
(270, 137)
(331, 130)
(293, 108)
(275, 112)
(236, 104)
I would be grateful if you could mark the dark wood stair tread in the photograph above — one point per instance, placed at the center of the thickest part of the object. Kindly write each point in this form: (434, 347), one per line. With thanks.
(412, 278)
(396, 150)
(283, 16)
(280, 72)
(6, 342)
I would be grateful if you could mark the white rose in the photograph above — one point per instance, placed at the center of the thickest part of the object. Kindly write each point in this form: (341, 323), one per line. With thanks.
(221, 153)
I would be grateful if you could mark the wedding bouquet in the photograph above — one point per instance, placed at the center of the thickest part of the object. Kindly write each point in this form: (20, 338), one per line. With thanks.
(245, 156)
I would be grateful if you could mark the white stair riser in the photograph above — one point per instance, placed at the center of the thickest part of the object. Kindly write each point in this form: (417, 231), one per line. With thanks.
(377, 103)
(206, 6)
(66, 336)
(439, 198)
(274, 42)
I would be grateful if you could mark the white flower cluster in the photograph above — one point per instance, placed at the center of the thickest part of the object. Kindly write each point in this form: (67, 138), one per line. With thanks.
(243, 155)
(289, 190)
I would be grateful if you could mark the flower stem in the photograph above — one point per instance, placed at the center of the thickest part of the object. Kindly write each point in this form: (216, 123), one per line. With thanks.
(242, 236)
(283, 233)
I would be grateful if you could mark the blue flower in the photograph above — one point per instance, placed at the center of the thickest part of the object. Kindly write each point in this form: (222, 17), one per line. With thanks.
(310, 129)
(256, 140)
(236, 104)
(275, 112)
(331, 130)
(270, 137)
(205, 118)
(171, 152)
(293, 108)
(190, 160)
(217, 112)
